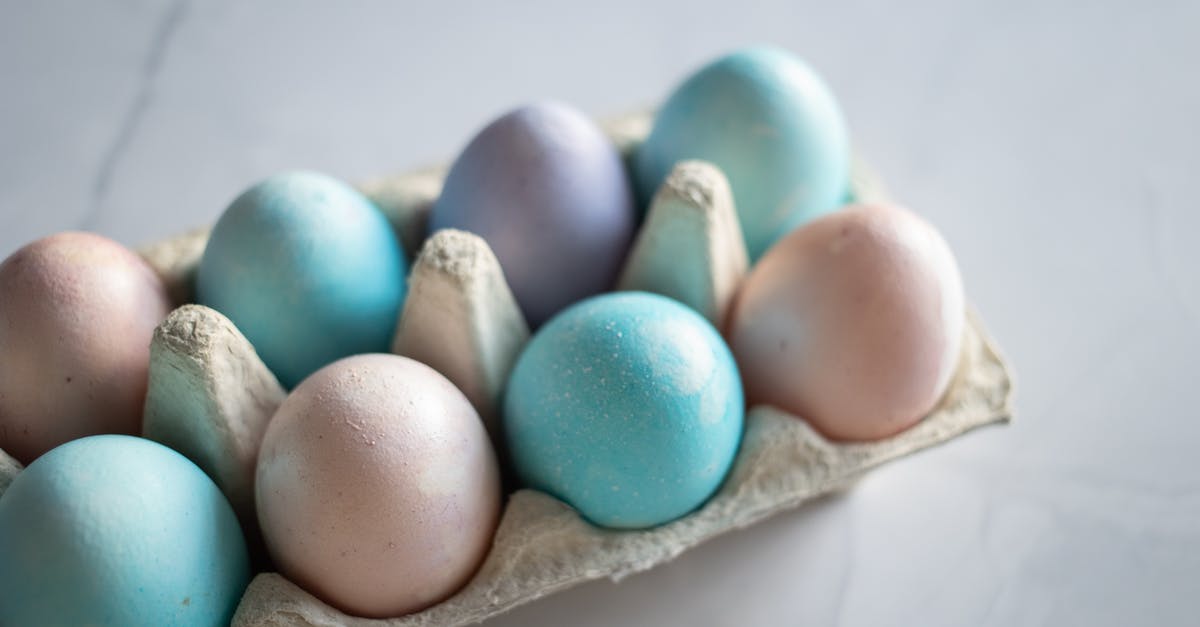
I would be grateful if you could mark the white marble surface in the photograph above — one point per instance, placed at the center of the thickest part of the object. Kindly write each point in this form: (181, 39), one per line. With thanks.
(1055, 144)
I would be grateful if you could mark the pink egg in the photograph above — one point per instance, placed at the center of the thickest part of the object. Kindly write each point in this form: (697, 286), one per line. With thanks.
(377, 487)
(852, 322)
(77, 312)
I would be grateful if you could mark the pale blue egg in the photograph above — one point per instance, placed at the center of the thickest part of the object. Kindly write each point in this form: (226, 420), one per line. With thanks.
(308, 269)
(627, 406)
(772, 126)
(117, 531)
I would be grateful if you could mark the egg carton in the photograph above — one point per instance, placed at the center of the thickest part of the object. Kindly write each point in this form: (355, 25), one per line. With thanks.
(210, 396)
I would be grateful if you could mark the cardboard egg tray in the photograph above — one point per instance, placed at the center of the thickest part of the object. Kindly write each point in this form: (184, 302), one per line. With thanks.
(210, 396)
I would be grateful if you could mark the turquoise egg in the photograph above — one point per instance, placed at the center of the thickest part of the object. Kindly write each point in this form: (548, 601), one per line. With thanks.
(308, 269)
(772, 126)
(113, 530)
(627, 406)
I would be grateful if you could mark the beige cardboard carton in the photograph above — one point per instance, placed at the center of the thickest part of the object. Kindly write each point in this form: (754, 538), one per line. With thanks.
(210, 397)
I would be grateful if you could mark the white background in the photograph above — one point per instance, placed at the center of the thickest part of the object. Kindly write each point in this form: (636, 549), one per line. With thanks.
(1056, 144)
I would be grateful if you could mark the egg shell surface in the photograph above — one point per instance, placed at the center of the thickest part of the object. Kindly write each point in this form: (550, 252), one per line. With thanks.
(628, 407)
(853, 322)
(377, 487)
(308, 269)
(549, 193)
(771, 124)
(113, 530)
(77, 312)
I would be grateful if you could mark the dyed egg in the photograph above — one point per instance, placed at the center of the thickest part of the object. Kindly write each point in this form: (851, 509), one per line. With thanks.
(308, 269)
(626, 406)
(77, 312)
(771, 125)
(377, 487)
(853, 322)
(113, 530)
(549, 193)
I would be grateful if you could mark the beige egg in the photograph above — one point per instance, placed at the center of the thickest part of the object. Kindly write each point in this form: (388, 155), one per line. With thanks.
(377, 487)
(852, 322)
(77, 312)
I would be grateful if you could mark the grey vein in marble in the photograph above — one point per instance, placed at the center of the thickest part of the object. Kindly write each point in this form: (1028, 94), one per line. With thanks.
(168, 25)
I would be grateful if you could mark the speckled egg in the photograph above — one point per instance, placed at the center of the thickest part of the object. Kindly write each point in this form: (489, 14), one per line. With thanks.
(377, 487)
(308, 269)
(628, 407)
(77, 312)
(853, 322)
(772, 126)
(549, 193)
(113, 530)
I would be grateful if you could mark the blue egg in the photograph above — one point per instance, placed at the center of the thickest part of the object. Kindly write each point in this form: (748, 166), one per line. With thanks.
(627, 406)
(308, 269)
(771, 125)
(113, 530)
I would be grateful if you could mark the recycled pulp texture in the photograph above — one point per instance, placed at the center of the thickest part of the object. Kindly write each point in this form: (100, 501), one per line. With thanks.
(210, 399)
(9, 468)
(542, 546)
(690, 247)
(462, 319)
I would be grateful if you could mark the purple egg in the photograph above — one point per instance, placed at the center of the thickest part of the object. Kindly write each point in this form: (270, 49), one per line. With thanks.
(549, 193)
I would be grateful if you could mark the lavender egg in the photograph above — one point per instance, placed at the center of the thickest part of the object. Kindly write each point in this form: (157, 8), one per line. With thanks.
(549, 193)
(377, 488)
(853, 322)
(77, 312)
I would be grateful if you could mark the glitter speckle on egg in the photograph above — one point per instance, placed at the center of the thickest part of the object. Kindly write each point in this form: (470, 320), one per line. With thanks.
(626, 406)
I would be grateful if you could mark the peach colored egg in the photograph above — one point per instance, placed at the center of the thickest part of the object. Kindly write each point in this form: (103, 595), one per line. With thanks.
(77, 312)
(852, 322)
(377, 487)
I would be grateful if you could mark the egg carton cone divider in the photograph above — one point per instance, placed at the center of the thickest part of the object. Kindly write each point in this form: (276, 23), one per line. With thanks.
(211, 396)
(9, 468)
